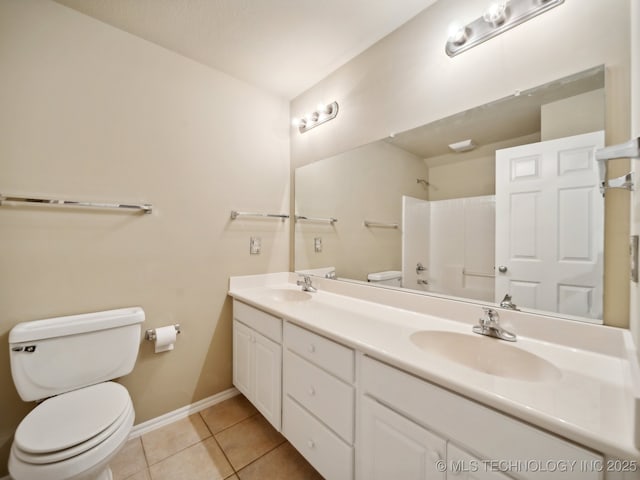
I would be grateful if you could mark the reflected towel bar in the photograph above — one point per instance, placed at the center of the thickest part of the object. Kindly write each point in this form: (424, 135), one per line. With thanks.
(368, 223)
(477, 274)
(145, 208)
(330, 220)
(235, 214)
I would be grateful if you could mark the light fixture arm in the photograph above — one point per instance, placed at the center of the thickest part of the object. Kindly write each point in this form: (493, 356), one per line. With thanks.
(498, 18)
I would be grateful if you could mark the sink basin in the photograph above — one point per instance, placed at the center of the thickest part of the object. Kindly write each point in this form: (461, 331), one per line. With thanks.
(286, 295)
(487, 355)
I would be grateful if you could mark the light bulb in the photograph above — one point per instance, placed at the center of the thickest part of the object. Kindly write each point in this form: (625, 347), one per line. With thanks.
(496, 14)
(458, 34)
(322, 108)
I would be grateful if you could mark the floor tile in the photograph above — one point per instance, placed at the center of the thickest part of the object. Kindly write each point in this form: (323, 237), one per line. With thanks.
(129, 460)
(282, 463)
(227, 413)
(165, 441)
(203, 461)
(143, 475)
(248, 440)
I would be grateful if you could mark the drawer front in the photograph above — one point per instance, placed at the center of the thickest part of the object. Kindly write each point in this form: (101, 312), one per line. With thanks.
(328, 398)
(322, 448)
(262, 322)
(327, 354)
(494, 436)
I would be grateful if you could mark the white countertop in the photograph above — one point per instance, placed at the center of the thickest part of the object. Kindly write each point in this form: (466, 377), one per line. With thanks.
(592, 403)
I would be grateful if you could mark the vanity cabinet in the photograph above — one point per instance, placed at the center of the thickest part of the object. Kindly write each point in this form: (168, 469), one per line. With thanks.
(257, 360)
(525, 451)
(319, 401)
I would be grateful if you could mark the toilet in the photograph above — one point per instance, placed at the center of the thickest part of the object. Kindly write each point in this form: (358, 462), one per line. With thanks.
(389, 277)
(84, 418)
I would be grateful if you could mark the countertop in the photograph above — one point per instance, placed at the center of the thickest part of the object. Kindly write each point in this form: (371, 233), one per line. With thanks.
(592, 403)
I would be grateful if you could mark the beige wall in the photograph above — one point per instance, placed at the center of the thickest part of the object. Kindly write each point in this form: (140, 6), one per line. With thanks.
(572, 116)
(407, 80)
(469, 174)
(90, 112)
(366, 183)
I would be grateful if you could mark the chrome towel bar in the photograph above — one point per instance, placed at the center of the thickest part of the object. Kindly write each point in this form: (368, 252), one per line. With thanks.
(235, 214)
(368, 223)
(145, 208)
(330, 220)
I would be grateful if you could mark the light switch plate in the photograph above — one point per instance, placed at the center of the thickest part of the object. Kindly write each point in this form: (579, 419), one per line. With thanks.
(255, 245)
(317, 244)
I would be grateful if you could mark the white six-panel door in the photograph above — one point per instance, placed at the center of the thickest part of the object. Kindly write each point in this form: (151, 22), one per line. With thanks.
(549, 226)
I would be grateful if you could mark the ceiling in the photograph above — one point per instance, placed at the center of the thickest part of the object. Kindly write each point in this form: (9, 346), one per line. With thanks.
(508, 118)
(282, 46)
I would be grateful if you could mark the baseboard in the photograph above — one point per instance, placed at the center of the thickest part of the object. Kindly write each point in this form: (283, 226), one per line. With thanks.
(180, 413)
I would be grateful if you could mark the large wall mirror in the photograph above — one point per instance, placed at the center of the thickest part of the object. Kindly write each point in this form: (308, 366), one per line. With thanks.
(516, 211)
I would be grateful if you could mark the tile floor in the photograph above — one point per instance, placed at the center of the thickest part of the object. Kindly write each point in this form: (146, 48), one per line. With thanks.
(229, 440)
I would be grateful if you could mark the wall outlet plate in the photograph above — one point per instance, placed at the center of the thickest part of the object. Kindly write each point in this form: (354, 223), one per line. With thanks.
(255, 245)
(317, 244)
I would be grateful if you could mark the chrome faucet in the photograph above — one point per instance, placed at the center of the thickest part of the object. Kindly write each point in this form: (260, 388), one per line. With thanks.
(306, 284)
(490, 326)
(507, 303)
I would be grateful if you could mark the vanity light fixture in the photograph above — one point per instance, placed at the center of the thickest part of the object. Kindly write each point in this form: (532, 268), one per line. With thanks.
(462, 146)
(323, 113)
(499, 17)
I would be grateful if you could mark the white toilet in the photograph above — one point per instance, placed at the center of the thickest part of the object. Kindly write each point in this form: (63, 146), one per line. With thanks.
(85, 419)
(389, 277)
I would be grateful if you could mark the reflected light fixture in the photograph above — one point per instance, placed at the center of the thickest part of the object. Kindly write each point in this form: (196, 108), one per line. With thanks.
(462, 146)
(323, 113)
(499, 17)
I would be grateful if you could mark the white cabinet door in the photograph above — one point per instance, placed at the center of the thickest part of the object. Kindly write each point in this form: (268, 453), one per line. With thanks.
(242, 358)
(268, 378)
(257, 371)
(463, 466)
(392, 446)
(550, 226)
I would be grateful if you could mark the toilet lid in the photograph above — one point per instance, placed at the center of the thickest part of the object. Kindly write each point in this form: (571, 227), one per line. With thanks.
(71, 418)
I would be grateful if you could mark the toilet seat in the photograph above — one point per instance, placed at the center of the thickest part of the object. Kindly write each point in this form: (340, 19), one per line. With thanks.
(71, 419)
(67, 434)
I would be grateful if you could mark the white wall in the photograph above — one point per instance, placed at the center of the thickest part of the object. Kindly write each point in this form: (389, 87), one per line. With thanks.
(91, 112)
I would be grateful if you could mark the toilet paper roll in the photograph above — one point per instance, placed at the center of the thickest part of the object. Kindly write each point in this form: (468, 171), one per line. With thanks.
(165, 338)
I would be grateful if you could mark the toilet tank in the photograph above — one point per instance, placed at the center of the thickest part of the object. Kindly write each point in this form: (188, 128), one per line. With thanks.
(389, 277)
(57, 355)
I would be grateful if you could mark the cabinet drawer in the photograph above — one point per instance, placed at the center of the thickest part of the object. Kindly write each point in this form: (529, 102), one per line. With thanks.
(262, 322)
(322, 448)
(492, 435)
(325, 353)
(328, 398)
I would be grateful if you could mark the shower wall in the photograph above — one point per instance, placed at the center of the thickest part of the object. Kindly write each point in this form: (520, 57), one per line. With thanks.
(457, 246)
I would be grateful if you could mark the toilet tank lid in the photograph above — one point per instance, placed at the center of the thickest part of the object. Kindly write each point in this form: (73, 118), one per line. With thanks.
(388, 275)
(75, 324)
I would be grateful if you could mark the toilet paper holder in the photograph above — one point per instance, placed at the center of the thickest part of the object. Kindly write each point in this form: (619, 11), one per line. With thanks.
(150, 334)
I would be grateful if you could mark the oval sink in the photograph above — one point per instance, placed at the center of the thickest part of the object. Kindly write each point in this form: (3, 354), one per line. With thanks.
(487, 355)
(285, 295)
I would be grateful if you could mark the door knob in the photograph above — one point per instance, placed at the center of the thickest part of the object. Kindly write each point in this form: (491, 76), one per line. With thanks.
(502, 268)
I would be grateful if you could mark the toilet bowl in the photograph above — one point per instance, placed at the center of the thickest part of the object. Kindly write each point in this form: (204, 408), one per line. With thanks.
(58, 439)
(74, 433)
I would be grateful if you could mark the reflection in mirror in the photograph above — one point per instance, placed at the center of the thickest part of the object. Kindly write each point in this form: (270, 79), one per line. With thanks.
(517, 212)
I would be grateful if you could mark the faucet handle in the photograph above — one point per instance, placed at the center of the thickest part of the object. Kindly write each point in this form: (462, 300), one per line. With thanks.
(490, 316)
